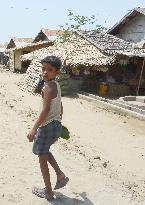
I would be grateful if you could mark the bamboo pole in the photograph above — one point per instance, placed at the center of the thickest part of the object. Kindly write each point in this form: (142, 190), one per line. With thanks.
(137, 92)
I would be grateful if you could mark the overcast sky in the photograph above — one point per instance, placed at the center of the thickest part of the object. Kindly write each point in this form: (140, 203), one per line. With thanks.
(24, 18)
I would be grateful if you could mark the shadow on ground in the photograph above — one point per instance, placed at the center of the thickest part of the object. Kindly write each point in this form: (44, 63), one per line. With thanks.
(72, 95)
(65, 200)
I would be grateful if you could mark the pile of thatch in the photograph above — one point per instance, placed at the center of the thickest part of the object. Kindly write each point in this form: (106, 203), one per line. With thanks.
(33, 75)
(31, 78)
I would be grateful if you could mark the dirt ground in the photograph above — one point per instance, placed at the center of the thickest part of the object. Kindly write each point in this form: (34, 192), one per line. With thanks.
(104, 159)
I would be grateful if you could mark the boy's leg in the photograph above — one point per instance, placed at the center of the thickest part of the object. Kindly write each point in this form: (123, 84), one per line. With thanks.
(45, 173)
(52, 161)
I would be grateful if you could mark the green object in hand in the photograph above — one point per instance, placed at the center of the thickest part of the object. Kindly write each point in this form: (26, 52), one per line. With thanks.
(65, 134)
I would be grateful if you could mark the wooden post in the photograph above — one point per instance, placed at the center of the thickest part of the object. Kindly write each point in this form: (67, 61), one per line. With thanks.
(137, 92)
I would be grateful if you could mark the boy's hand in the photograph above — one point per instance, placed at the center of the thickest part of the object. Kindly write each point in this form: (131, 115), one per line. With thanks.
(31, 135)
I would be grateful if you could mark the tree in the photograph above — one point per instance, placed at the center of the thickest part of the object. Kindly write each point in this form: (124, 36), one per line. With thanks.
(77, 22)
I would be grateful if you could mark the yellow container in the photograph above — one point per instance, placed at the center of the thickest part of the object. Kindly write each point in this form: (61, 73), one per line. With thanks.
(103, 89)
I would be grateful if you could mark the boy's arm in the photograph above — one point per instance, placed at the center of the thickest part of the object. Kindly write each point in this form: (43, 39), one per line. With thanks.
(46, 107)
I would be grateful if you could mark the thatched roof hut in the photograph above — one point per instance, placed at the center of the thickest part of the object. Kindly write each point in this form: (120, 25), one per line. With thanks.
(21, 48)
(77, 51)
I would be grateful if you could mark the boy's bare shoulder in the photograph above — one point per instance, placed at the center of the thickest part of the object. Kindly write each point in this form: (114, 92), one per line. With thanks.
(50, 88)
(50, 85)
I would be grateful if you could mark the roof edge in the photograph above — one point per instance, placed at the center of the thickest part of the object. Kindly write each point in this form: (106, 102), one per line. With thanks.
(123, 19)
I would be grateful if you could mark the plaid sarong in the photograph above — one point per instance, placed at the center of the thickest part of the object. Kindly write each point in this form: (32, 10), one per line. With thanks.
(46, 136)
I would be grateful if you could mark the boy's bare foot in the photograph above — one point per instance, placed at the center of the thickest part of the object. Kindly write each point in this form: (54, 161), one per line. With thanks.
(42, 193)
(62, 180)
(60, 176)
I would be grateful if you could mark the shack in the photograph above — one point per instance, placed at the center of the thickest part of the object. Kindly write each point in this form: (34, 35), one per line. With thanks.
(109, 45)
(20, 46)
(122, 77)
(131, 27)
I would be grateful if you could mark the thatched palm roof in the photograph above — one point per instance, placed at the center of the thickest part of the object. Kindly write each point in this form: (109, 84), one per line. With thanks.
(105, 42)
(77, 51)
(47, 35)
(19, 42)
(109, 44)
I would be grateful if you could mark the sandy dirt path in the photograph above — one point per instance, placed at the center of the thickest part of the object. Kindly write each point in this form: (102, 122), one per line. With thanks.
(104, 159)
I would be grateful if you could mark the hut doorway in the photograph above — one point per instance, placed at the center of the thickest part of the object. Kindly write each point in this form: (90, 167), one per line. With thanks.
(25, 65)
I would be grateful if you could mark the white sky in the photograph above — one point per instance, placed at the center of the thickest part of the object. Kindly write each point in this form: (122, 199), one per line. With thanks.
(18, 21)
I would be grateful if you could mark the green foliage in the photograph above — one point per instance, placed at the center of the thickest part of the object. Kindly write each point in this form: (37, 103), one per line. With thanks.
(77, 22)
(65, 134)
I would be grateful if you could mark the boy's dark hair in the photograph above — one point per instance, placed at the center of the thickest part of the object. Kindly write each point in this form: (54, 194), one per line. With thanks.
(52, 60)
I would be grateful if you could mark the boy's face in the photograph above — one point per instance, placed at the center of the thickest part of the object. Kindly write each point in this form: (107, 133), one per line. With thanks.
(49, 72)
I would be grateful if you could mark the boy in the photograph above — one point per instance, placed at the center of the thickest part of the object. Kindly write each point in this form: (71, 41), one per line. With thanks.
(47, 128)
